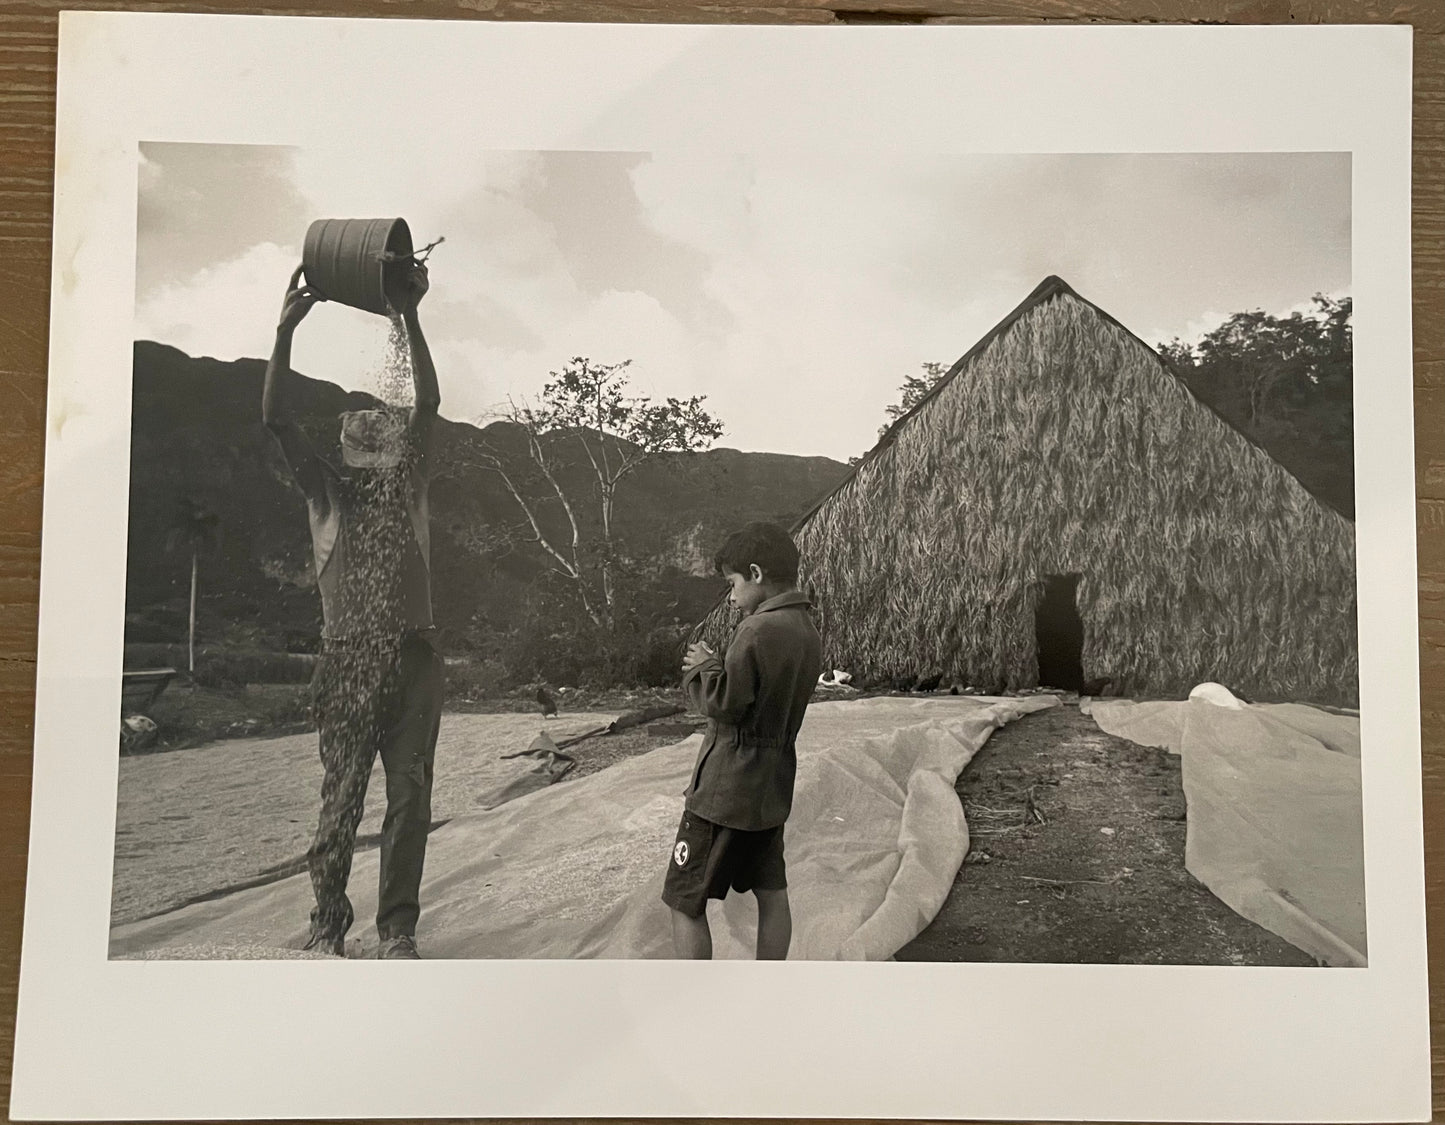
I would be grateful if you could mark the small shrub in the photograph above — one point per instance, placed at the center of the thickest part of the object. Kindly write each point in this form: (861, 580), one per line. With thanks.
(303, 643)
(658, 660)
(148, 632)
(474, 679)
(150, 654)
(236, 669)
(216, 675)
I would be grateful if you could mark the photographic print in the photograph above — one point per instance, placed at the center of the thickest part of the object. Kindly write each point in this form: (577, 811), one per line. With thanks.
(646, 521)
(1013, 561)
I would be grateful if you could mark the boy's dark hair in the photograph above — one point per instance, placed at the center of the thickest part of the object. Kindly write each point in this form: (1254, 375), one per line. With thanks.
(766, 544)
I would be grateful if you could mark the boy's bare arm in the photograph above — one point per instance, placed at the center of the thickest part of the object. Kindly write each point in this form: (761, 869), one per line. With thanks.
(724, 689)
(295, 447)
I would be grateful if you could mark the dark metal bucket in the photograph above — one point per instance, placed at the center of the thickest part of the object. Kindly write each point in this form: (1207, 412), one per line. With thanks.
(357, 261)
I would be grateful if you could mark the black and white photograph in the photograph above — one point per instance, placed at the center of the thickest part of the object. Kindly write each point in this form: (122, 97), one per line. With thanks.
(889, 551)
(675, 554)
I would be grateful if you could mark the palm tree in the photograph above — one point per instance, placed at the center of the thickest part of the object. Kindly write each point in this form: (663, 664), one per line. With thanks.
(196, 529)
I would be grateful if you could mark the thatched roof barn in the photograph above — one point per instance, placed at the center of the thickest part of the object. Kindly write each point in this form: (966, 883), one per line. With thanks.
(1061, 510)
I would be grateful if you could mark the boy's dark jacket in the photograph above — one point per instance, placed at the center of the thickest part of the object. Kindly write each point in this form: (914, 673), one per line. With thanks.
(754, 697)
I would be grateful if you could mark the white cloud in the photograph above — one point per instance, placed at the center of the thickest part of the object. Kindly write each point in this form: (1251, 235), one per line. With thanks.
(229, 311)
(616, 327)
(795, 290)
(809, 258)
(700, 199)
(222, 310)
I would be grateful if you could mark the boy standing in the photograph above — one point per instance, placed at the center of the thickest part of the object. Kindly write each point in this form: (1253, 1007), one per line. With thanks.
(378, 683)
(731, 835)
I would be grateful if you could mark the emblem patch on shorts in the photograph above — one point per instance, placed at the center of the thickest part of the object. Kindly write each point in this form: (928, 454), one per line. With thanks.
(679, 853)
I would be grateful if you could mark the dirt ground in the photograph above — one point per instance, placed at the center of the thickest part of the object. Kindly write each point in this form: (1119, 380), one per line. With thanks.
(193, 823)
(1077, 856)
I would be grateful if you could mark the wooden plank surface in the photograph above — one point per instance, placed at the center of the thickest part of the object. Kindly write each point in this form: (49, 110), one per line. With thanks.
(27, 106)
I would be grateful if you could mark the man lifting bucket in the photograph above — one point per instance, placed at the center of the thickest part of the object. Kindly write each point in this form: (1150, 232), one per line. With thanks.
(378, 682)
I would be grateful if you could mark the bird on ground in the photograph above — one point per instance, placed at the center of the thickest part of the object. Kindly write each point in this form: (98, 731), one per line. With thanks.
(547, 703)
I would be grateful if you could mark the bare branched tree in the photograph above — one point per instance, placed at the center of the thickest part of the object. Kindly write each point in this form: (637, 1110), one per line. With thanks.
(585, 414)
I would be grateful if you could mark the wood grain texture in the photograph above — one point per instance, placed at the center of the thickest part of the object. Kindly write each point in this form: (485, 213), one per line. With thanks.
(27, 106)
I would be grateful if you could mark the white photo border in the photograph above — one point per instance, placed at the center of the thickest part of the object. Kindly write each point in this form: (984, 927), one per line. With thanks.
(97, 1039)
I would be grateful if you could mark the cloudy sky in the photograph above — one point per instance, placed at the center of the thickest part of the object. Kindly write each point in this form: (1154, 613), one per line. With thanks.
(796, 290)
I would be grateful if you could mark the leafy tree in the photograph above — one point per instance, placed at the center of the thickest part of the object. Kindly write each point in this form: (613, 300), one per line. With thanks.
(912, 391)
(1287, 383)
(586, 415)
(910, 394)
(195, 529)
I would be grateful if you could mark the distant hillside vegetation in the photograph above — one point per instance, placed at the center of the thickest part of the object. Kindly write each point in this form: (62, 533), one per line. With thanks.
(197, 438)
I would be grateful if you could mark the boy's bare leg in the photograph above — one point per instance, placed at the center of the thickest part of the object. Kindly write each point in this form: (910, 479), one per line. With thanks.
(775, 925)
(691, 937)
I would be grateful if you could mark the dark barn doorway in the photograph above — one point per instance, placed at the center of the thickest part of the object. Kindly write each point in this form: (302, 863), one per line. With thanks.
(1059, 631)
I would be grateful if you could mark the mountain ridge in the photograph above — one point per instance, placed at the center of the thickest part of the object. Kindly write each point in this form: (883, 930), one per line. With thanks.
(197, 438)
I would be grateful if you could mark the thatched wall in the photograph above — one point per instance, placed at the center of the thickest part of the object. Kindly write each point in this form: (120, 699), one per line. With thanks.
(1063, 445)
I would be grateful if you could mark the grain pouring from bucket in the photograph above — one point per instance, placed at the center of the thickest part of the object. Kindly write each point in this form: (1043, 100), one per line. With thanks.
(365, 263)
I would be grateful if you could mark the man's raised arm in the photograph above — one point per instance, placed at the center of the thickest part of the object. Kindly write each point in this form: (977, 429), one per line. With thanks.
(423, 371)
(300, 456)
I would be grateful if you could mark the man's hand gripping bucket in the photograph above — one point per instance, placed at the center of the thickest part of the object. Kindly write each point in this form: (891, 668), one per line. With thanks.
(360, 262)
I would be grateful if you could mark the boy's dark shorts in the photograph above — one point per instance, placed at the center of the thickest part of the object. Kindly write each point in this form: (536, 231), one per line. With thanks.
(709, 859)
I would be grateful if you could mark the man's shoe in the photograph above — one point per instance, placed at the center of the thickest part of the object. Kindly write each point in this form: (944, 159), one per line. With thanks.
(399, 948)
(319, 943)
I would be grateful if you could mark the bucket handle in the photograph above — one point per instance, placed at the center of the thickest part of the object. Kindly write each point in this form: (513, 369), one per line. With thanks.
(417, 256)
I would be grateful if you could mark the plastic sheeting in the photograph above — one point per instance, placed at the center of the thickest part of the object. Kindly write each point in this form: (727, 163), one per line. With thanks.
(1275, 821)
(875, 840)
(189, 822)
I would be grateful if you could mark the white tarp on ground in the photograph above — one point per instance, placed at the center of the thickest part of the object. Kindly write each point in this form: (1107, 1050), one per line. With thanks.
(876, 838)
(190, 822)
(1275, 822)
